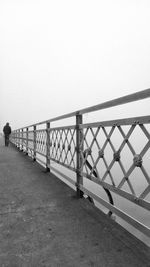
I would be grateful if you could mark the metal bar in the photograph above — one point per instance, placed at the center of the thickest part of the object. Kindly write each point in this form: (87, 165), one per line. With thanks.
(145, 192)
(95, 173)
(63, 164)
(128, 173)
(17, 139)
(144, 229)
(120, 122)
(27, 135)
(40, 153)
(48, 146)
(118, 101)
(52, 141)
(40, 160)
(60, 139)
(56, 141)
(64, 127)
(63, 175)
(31, 131)
(24, 138)
(69, 150)
(65, 148)
(145, 174)
(126, 139)
(138, 201)
(40, 130)
(79, 152)
(34, 143)
(20, 139)
(112, 103)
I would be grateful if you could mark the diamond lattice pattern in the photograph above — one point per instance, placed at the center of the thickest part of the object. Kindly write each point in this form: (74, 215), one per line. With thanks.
(63, 147)
(119, 156)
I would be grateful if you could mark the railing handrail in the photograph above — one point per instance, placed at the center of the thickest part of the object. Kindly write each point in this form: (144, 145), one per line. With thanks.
(108, 104)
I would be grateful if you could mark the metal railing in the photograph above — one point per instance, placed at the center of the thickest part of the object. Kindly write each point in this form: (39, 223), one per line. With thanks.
(105, 153)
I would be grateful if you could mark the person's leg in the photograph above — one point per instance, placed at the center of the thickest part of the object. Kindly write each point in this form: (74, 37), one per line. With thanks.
(8, 140)
(5, 141)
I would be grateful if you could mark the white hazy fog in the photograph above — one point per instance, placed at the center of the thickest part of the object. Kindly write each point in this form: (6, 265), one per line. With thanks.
(60, 56)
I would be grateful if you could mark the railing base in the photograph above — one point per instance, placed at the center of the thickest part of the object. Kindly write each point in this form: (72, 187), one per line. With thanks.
(47, 169)
(79, 193)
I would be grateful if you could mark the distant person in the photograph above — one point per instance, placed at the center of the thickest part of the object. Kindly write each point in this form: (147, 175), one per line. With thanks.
(7, 132)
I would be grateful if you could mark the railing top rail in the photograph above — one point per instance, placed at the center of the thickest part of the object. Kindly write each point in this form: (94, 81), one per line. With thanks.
(108, 104)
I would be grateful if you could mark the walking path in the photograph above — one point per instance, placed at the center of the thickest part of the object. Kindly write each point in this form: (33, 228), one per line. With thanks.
(43, 224)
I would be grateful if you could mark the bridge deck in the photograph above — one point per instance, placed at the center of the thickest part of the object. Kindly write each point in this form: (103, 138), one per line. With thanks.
(42, 223)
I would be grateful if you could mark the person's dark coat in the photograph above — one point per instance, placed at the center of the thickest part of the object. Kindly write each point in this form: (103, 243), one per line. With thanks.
(7, 130)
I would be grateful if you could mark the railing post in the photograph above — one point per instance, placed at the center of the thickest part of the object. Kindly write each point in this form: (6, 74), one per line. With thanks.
(27, 143)
(79, 153)
(22, 140)
(34, 143)
(14, 137)
(48, 146)
(19, 139)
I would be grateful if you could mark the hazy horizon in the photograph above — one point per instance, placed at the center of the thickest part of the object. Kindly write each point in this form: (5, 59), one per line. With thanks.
(60, 56)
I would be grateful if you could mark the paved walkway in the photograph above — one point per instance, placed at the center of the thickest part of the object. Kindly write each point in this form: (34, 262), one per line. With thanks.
(43, 224)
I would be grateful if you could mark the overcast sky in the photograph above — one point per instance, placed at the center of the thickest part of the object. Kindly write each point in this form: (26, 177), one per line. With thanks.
(58, 56)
